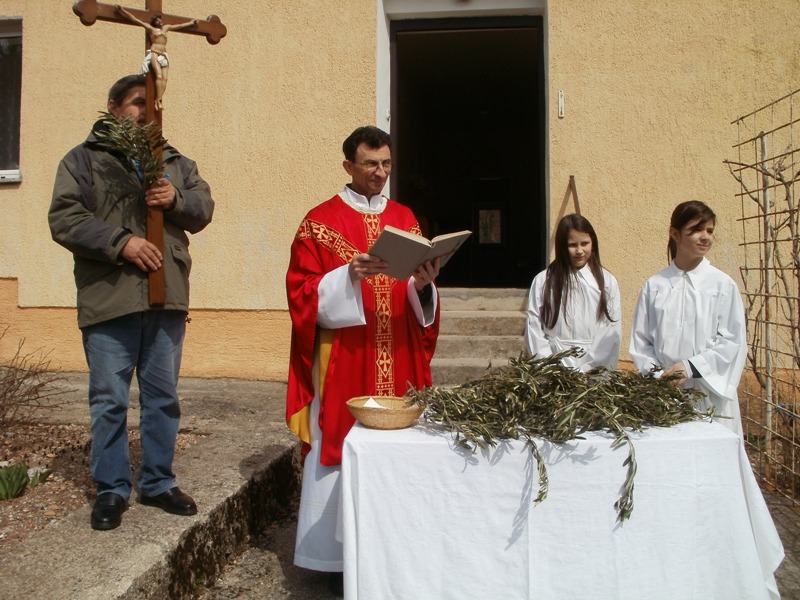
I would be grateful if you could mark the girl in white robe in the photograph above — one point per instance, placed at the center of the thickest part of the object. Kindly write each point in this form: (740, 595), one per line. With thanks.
(690, 320)
(575, 302)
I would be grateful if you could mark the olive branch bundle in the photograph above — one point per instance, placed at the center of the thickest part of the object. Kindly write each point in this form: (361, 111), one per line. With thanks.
(541, 398)
(138, 142)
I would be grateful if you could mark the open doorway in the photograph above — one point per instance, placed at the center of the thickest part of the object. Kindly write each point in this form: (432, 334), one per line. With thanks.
(468, 140)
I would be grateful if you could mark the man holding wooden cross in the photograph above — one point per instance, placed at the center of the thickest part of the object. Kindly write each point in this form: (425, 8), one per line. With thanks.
(99, 213)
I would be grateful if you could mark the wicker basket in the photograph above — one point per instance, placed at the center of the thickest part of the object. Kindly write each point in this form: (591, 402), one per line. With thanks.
(398, 414)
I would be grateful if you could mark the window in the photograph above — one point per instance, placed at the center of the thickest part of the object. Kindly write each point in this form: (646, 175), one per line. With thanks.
(10, 92)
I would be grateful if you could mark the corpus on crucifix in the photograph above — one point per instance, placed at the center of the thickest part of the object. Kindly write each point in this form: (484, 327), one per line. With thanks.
(156, 24)
(155, 57)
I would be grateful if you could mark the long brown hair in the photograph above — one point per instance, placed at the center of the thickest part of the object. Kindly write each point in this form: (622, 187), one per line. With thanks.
(558, 281)
(684, 213)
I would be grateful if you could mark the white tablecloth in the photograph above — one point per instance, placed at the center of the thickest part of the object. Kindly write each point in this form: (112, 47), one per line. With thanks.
(421, 519)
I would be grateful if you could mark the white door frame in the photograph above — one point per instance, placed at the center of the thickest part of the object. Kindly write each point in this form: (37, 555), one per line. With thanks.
(436, 9)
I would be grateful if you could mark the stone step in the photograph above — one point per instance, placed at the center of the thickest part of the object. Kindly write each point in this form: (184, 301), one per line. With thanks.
(479, 346)
(479, 328)
(455, 371)
(491, 299)
(482, 322)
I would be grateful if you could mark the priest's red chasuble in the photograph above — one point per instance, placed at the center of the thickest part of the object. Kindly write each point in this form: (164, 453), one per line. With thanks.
(382, 358)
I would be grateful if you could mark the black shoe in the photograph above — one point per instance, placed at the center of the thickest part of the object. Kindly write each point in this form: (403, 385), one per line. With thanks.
(173, 501)
(336, 584)
(107, 511)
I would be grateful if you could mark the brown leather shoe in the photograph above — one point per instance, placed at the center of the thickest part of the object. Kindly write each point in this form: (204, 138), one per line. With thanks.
(107, 511)
(173, 501)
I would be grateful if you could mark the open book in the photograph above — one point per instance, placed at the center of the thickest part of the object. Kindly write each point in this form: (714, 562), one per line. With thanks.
(405, 251)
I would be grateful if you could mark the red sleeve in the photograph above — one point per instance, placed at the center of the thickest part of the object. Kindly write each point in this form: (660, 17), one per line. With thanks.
(302, 281)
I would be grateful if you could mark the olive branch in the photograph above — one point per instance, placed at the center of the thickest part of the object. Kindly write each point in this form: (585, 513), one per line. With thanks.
(140, 143)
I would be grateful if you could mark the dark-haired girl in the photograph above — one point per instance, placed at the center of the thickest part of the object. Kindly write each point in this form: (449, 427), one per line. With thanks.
(575, 302)
(689, 319)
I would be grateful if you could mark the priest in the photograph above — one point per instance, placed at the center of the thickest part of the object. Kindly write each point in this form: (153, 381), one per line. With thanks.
(355, 331)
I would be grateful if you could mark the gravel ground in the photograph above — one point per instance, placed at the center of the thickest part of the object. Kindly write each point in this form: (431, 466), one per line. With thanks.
(62, 448)
(65, 450)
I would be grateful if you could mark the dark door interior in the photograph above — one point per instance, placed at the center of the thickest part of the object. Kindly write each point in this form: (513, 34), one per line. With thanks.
(468, 141)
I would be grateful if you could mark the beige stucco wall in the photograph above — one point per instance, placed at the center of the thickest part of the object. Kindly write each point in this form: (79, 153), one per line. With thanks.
(650, 91)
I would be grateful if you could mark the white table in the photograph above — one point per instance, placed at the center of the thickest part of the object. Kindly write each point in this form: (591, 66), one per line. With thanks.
(422, 519)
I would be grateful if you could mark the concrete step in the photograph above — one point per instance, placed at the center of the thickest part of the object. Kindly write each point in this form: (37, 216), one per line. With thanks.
(455, 371)
(479, 346)
(491, 299)
(482, 322)
(479, 327)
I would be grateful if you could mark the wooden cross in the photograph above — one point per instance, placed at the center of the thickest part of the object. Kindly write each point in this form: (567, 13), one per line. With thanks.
(212, 28)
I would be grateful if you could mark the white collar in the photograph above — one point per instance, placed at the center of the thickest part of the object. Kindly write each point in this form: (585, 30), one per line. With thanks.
(585, 273)
(674, 274)
(356, 201)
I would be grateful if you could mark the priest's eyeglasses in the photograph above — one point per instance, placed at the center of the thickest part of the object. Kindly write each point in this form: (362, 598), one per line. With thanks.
(372, 165)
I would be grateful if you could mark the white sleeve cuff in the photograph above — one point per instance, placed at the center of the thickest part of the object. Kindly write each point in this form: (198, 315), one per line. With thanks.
(340, 304)
(687, 368)
(425, 314)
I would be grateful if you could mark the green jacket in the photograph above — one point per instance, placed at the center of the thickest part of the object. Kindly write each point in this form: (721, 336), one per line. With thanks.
(98, 205)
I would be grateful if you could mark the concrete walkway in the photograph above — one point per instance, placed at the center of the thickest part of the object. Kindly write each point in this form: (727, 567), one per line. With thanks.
(243, 472)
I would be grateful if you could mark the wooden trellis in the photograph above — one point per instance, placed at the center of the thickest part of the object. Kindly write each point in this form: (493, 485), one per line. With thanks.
(767, 167)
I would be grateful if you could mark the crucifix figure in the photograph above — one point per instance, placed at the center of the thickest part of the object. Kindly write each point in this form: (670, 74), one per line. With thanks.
(157, 25)
(155, 57)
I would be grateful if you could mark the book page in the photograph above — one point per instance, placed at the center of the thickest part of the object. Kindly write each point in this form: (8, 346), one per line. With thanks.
(405, 251)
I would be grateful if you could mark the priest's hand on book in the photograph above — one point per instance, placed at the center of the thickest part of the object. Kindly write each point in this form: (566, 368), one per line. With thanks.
(365, 265)
(426, 273)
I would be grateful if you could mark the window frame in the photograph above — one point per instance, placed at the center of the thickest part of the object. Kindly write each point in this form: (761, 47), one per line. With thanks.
(10, 121)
